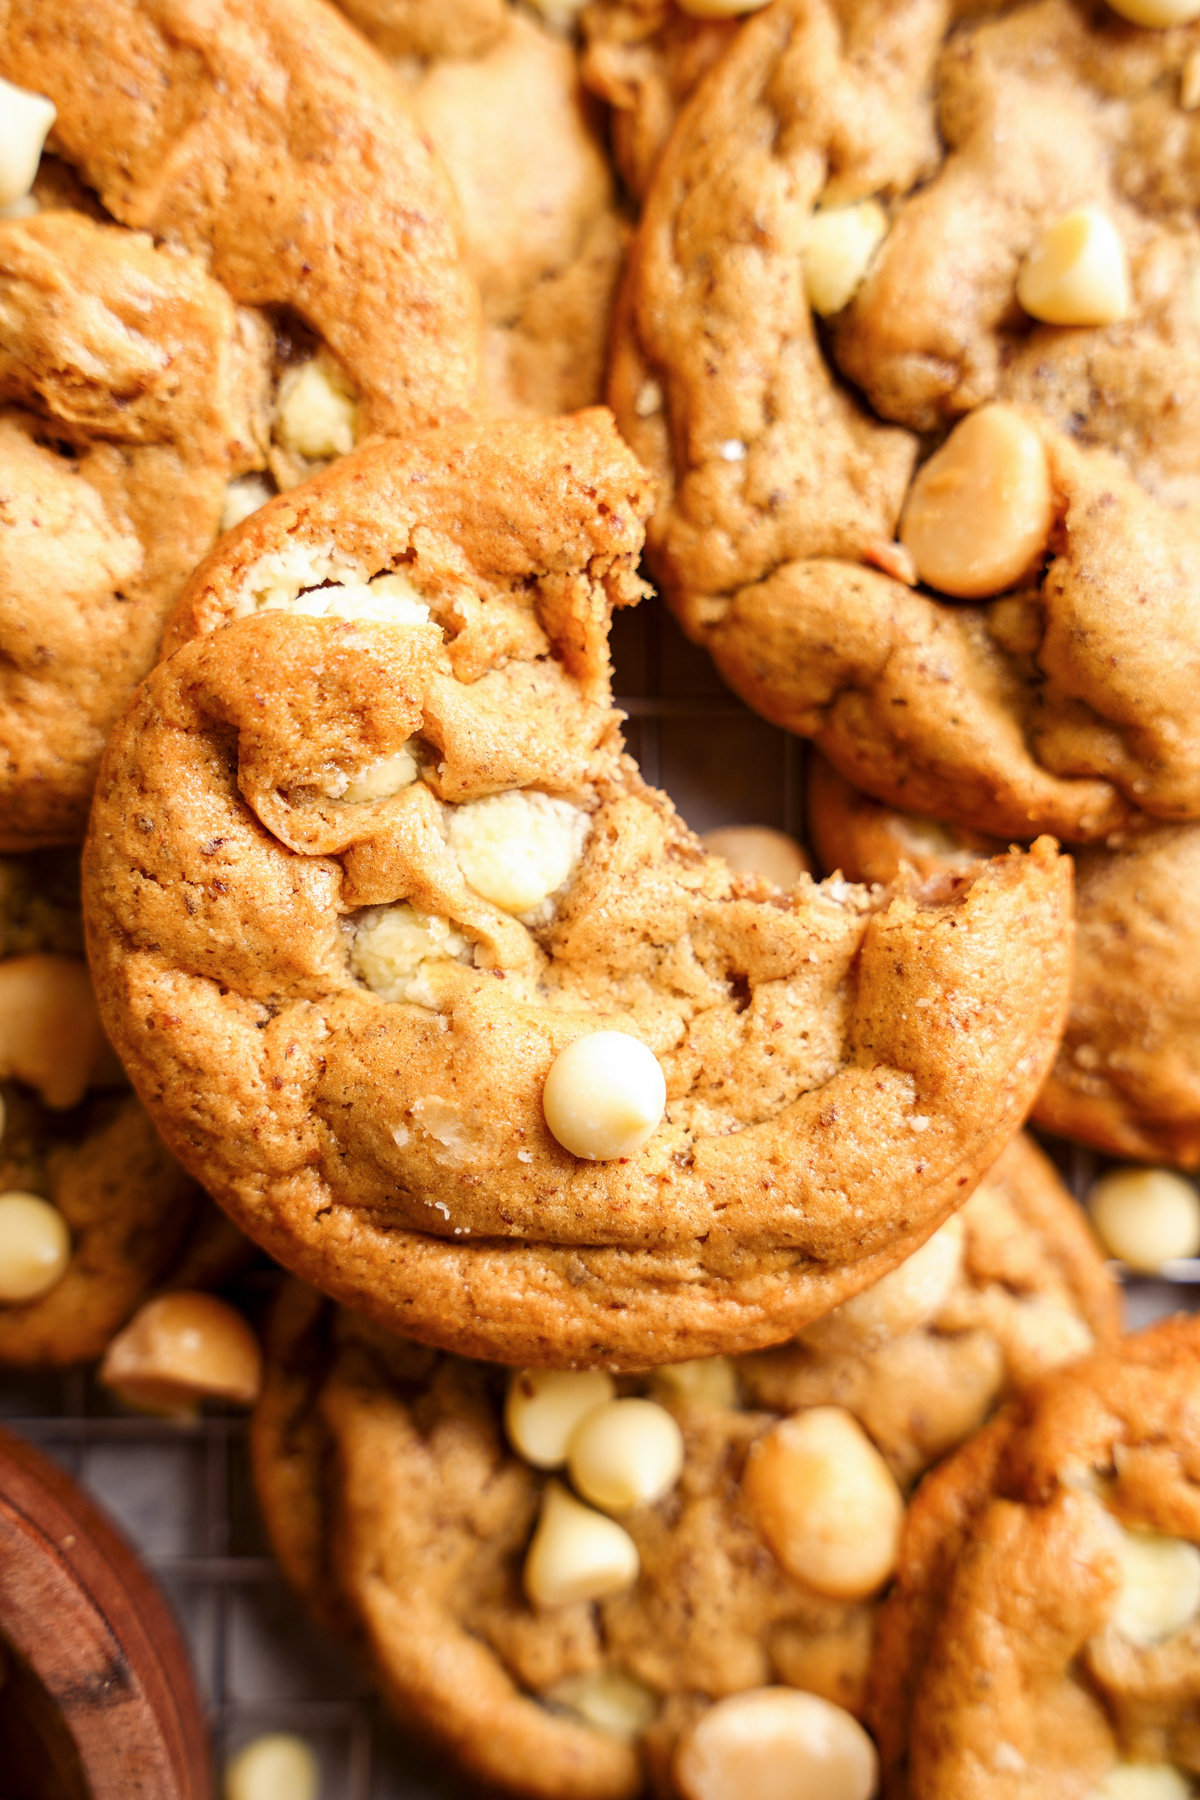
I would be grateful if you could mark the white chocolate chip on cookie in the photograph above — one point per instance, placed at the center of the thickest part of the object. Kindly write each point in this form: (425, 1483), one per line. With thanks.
(826, 1502)
(1160, 1586)
(576, 1553)
(706, 1381)
(604, 1096)
(544, 1407)
(1146, 1217)
(1077, 273)
(277, 1766)
(838, 249)
(242, 498)
(317, 417)
(775, 1744)
(1144, 1781)
(392, 944)
(35, 1247)
(516, 849)
(391, 775)
(1158, 13)
(609, 1699)
(626, 1453)
(979, 512)
(25, 121)
(908, 1297)
(719, 9)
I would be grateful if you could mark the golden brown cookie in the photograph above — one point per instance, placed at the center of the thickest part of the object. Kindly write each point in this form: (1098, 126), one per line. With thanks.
(904, 171)
(369, 852)
(501, 100)
(1042, 1634)
(403, 1497)
(177, 344)
(1127, 1074)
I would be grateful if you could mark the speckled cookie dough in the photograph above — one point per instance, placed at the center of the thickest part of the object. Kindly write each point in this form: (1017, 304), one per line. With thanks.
(1126, 1077)
(368, 849)
(873, 226)
(613, 1560)
(174, 347)
(501, 100)
(1042, 1635)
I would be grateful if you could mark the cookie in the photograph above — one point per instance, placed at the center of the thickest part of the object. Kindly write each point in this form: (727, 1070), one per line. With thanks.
(175, 347)
(849, 249)
(367, 868)
(1041, 1637)
(405, 1518)
(501, 100)
(1126, 1077)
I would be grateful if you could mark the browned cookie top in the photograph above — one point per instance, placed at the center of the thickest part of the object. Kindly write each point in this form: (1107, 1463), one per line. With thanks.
(1056, 695)
(367, 858)
(1042, 1636)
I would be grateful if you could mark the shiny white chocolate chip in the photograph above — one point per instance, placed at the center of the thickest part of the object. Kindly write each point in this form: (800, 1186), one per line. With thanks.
(544, 1406)
(706, 1381)
(826, 1502)
(517, 849)
(604, 1096)
(719, 9)
(316, 416)
(776, 1744)
(244, 497)
(1146, 1217)
(576, 1553)
(1157, 12)
(25, 121)
(757, 850)
(391, 775)
(392, 945)
(1160, 1586)
(385, 600)
(35, 1247)
(1077, 273)
(179, 1349)
(1144, 1781)
(838, 249)
(908, 1297)
(275, 1767)
(609, 1699)
(626, 1453)
(979, 511)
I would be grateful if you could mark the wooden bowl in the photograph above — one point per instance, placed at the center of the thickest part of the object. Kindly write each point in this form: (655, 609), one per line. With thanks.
(97, 1700)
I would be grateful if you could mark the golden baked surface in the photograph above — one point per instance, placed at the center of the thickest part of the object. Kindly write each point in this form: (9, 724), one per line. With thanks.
(785, 455)
(379, 1127)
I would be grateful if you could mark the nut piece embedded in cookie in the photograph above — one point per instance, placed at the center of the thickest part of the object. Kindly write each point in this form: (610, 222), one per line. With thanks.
(25, 121)
(775, 1743)
(180, 1349)
(757, 850)
(1076, 273)
(1146, 1216)
(35, 1247)
(604, 1096)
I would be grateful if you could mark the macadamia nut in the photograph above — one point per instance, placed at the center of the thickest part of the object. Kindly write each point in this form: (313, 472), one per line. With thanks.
(609, 1699)
(826, 1502)
(392, 944)
(1160, 1586)
(50, 1035)
(385, 600)
(979, 512)
(626, 1453)
(776, 1744)
(1144, 1781)
(577, 1554)
(757, 850)
(907, 1298)
(1157, 12)
(706, 1381)
(516, 849)
(391, 775)
(1146, 1217)
(25, 121)
(182, 1348)
(275, 1767)
(35, 1247)
(837, 253)
(544, 1407)
(1077, 273)
(316, 416)
(604, 1096)
(244, 496)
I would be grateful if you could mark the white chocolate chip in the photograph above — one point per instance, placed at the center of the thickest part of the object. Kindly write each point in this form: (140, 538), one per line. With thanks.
(626, 1453)
(1160, 1586)
(35, 1247)
(278, 1766)
(391, 775)
(648, 400)
(386, 600)
(775, 1744)
(25, 121)
(316, 416)
(242, 498)
(179, 1349)
(826, 1502)
(840, 244)
(560, 15)
(707, 1381)
(1144, 1781)
(518, 848)
(1077, 273)
(609, 1699)
(719, 9)
(604, 1096)
(391, 946)
(544, 1406)
(979, 512)
(1146, 1217)
(576, 1553)
(757, 850)
(908, 1297)
(1157, 12)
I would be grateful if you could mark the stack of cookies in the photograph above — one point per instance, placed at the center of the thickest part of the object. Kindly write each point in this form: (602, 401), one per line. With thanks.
(688, 1377)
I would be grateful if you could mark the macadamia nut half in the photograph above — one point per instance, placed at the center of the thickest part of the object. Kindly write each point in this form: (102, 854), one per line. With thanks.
(182, 1348)
(35, 1247)
(1146, 1217)
(776, 1744)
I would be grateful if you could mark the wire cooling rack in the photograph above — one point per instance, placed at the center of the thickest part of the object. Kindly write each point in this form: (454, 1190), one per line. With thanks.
(183, 1495)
